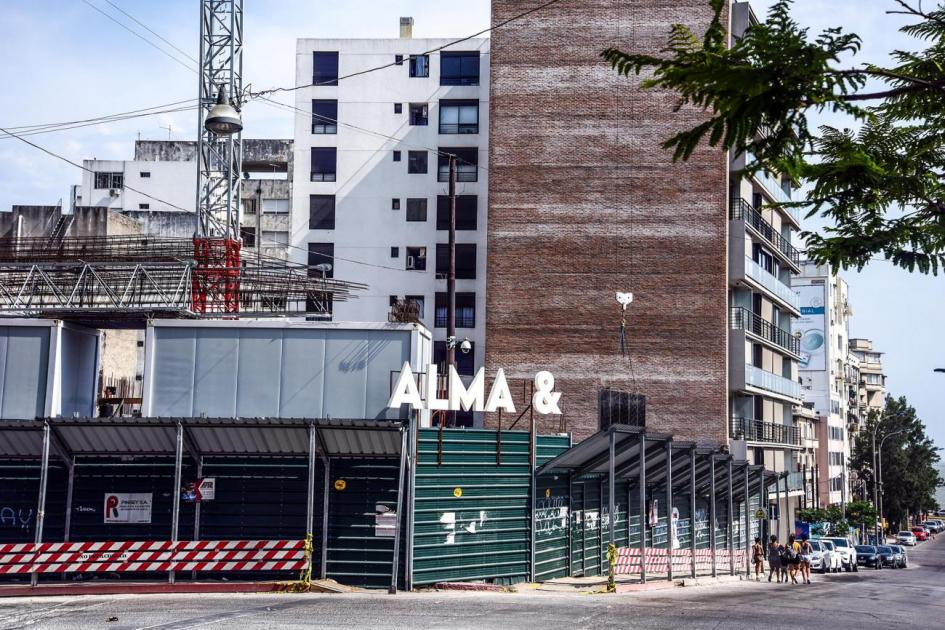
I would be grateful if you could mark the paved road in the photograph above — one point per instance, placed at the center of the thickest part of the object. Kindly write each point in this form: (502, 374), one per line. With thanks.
(911, 598)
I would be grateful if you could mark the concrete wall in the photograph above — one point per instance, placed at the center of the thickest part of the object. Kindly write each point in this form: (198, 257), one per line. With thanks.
(584, 202)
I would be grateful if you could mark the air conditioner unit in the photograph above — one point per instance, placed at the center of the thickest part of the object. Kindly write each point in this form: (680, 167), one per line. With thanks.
(411, 263)
(114, 192)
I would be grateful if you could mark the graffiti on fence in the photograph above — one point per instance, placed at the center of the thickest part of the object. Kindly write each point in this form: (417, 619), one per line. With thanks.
(551, 515)
(19, 518)
(462, 523)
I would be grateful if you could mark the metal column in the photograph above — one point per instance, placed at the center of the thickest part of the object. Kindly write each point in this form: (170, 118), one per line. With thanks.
(41, 501)
(731, 521)
(692, 509)
(712, 519)
(310, 489)
(198, 503)
(611, 503)
(642, 482)
(783, 512)
(400, 507)
(532, 498)
(323, 572)
(777, 490)
(748, 540)
(70, 486)
(670, 530)
(178, 462)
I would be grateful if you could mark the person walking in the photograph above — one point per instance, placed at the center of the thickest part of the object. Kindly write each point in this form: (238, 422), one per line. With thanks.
(792, 556)
(807, 554)
(774, 558)
(758, 558)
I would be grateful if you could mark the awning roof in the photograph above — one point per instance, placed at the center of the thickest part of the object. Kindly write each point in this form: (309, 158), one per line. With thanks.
(275, 437)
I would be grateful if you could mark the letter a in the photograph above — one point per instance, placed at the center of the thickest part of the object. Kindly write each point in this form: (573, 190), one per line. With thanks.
(500, 397)
(470, 399)
(405, 391)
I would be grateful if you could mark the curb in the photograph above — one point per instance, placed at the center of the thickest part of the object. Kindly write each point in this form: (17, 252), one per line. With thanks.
(468, 586)
(62, 590)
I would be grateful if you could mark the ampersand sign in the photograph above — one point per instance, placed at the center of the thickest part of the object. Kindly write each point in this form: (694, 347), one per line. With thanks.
(546, 399)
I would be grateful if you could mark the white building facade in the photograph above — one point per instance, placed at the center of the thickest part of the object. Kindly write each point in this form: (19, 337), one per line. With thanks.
(371, 176)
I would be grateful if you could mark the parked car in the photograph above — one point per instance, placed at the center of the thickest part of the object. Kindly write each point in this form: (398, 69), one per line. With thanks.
(920, 533)
(935, 525)
(868, 556)
(903, 557)
(889, 556)
(907, 538)
(846, 551)
(824, 558)
(834, 564)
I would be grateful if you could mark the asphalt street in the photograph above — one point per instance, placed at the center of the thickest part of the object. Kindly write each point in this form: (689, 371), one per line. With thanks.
(909, 598)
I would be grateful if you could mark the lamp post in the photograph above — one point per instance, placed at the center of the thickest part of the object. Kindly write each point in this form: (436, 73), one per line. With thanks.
(879, 470)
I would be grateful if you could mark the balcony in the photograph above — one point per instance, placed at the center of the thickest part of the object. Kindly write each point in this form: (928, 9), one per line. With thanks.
(741, 210)
(458, 128)
(760, 431)
(796, 481)
(762, 379)
(763, 278)
(743, 319)
(772, 187)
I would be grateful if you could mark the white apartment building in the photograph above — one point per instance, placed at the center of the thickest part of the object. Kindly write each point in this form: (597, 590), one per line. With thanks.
(371, 175)
(870, 388)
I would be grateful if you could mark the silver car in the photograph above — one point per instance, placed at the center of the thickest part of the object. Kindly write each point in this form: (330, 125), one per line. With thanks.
(907, 538)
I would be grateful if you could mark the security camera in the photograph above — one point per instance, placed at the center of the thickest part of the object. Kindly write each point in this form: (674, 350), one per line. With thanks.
(466, 346)
(624, 299)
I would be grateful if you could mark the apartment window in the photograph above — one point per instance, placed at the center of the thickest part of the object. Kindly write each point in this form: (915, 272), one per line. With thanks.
(417, 258)
(398, 60)
(395, 204)
(108, 180)
(465, 310)
(465, 362)
(467, 164)
(249, 206)
(835, 459)
(416, 209)
(419, 114)
(835, 433)
(417, 162)
(459, 68)
(324, 164)
(321, 212)
(325, 116)
(459, 117)
(398, 108)
(397, 156)
(757, 355)
(144, 206)
(275, 206)
(319, 254)
(145, 174)
(275, 238)
(420, 66)
(763, 258)
(418, 300)
(466, 212)
(325, 68)
(395, 252)
(836, 484)
(249, 236)
(465, 261)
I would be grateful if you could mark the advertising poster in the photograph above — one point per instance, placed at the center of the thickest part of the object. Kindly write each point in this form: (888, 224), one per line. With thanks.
(811, 325)
(123, 507)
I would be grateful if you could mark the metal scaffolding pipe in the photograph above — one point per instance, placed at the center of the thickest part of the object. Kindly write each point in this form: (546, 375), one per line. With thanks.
(611, 502)
(712, 516)
(399, 513)
(175, 513)
(670, 527)
(41, 501)
(731, 521)
(692, 509)
(642, 482)
(748, 540)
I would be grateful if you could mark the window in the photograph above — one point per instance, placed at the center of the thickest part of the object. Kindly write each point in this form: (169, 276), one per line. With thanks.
(144, 206)
(321, 212)
(324, 116)
(466, 212)
(467, 164)
(459, 68)
(398, 60)
(145, 174)
(395, 204)
(397, 156)
(873, 379)
(459, 117)
(325, 68)
(418, 300)
(835, 459)
(465, 261)
(398, 108)
(416, 209)
(417, 258)
(109, 180)
(275, 238)
(763, 258)
(419, 114)
(249, 206)
(249, 236)
(420, 66)
(465, 362)
(324, 164)
(835, 433)
(320, 254)
(395, 252)
(465, 310)
(417, 162)
(757, 355)
(275, 206)
(836, 484)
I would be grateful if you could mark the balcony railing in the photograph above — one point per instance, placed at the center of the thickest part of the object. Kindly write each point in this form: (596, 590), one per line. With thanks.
(462, 175)
(743, 319)
(756, 377)
(461, 128)
(758, 273)
(761, 431)
(742, 210)
(773, 188)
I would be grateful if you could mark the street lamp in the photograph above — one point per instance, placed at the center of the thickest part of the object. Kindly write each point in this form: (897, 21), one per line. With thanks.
(223, 119)
(878, 476)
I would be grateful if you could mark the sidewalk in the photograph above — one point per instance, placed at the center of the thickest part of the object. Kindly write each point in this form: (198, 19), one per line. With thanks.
(118, 587)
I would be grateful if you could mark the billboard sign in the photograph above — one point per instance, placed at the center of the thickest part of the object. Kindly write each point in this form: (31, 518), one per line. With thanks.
(126, 507)
(812, 326)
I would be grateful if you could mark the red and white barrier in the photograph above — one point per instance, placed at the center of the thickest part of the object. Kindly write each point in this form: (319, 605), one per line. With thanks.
(657, 560)
(159, 556)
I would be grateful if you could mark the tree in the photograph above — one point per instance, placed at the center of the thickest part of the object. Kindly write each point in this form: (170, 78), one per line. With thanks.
(881, 186)
(910, 477)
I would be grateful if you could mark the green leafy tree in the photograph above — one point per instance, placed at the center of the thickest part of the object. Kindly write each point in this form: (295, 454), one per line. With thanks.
(910, 476)
(880, 187)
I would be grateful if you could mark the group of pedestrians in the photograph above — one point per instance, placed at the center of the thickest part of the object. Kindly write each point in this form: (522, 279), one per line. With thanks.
(785, 561)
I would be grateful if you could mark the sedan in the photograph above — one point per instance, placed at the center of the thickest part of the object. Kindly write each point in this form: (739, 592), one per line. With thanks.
(889, 556)
(823, 559)
(906, 538)
(920, 533)
(903, 557)
(868, 556)
(934, 525)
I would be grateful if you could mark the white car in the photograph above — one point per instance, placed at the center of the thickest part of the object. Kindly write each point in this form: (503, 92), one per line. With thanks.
(846, 550)
(824, 559)
(906, 538)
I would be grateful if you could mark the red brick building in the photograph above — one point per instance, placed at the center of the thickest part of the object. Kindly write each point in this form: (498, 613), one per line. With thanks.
(583, 202)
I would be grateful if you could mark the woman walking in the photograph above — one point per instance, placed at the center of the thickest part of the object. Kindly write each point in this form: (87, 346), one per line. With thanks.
(758, 558)
(792, 554)
(807, 554)
(774, 558)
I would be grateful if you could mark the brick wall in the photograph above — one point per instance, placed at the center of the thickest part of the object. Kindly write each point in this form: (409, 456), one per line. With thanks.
(583, 202)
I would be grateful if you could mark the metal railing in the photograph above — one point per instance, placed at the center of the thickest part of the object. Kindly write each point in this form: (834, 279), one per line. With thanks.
(743, 319)
(773, 188)
(742, 210)
(761, 431)
(756, 377)
(766, 279)
(462, 175)
(461, 128)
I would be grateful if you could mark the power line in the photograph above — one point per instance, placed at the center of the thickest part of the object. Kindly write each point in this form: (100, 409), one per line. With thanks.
(66, 127)
(98, 118)
(145, 27)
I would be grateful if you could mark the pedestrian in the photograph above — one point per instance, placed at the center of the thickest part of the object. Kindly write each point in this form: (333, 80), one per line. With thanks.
(792, 557)
(807, 554)
(774, 558)
(758, 558)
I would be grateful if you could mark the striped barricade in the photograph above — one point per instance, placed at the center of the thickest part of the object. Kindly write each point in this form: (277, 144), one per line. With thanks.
(657, 560)
(154, 556)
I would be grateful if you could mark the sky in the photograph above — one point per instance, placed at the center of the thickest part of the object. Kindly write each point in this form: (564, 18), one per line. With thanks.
(68, 61)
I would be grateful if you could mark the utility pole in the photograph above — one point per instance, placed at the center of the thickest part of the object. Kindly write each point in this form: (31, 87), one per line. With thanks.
(451, 281)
